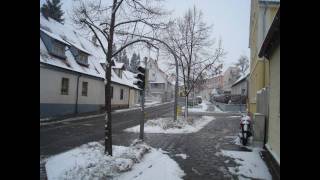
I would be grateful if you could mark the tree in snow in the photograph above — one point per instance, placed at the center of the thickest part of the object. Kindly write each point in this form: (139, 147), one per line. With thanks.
(243, 64)
(53, 10)
(134, 62)
(190, 38)
(122, 22)
(124, 58)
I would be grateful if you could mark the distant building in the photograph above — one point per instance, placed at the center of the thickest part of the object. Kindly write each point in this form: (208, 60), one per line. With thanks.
(240, 87)
(230, 75)
(158, 86)
(72, 74)
(208, 85)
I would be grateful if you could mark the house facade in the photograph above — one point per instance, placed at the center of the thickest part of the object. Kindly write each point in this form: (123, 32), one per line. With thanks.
(261, 17)
(72, 75)
(208, 86)
(240, 87)
(158, 85)
(230, 75)
(271, 51)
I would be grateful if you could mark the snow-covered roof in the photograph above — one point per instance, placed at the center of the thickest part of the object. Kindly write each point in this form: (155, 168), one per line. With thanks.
(241, 78)
(67, 34)
(118, 65)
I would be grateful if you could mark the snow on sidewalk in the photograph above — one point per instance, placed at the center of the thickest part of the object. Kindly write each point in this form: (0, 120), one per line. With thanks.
(203, 107)
(89, 162)
(168, 126)
(251, 164)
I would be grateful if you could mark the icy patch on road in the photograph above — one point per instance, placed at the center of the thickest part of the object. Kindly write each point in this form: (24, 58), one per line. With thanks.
(183, 156)
(168, 126)
(250, 164)
(89, 162)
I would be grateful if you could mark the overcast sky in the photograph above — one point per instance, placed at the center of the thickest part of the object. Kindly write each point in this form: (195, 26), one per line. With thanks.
(230, 19)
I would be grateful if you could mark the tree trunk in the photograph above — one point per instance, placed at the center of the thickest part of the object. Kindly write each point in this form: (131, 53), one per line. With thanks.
(176, 89)
(108, 128)
(186, 108)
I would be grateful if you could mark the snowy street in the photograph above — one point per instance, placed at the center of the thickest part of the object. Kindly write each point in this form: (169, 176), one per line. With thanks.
(208, 153)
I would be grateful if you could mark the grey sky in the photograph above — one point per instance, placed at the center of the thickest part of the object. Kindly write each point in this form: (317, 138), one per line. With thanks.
(230, 19)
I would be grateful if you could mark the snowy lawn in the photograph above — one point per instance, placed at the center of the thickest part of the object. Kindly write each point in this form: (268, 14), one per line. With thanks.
(138, 161)
(167, 125)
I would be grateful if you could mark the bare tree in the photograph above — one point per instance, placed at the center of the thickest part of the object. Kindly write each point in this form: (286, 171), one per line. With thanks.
(124, 22)
(190, 38)
(243, 64)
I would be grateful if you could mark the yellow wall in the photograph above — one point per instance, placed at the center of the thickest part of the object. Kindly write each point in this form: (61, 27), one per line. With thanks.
(274, 105)
(259, 67)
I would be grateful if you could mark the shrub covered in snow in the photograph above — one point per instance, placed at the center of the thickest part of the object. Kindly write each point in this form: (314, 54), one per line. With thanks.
(89, 161)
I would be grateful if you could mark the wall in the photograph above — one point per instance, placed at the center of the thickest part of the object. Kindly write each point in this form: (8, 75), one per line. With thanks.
(231, 107)
(115, 100)
(274, 105)
(259, 67)
(237, 89)
(134, 97)
(52, 103)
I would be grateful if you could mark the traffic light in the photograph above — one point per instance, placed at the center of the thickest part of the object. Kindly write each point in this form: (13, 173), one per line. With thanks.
(140, 76)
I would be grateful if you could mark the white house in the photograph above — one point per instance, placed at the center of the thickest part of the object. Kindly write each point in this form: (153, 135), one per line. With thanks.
(158, 84)
(229, 77)
(240, 87)
(72, 75)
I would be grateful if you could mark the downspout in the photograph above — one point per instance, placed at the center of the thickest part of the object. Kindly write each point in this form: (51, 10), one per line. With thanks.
(129, 98)
(264, 73)
(77, 92)
(263, 35)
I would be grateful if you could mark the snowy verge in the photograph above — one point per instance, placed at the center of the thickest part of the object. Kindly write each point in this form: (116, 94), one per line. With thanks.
(251, 164)
(167, 125)
(89, 162)
(203, 107)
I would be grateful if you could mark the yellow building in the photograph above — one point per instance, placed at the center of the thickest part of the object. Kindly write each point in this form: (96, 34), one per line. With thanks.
(261, 16)
(271, 51)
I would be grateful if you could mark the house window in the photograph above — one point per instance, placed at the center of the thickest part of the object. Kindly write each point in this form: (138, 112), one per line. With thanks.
(64, 86)
(111, 92)
(84, 88)
(82, 58)
(58, 49)
(121, 94)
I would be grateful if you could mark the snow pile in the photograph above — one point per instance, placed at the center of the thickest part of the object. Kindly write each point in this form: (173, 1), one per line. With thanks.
(89, 162)
(250, 164)
(168, 126)
(183, 156)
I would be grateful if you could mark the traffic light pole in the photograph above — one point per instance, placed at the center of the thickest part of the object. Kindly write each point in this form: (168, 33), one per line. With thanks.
(142, 94)
(142, 115)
